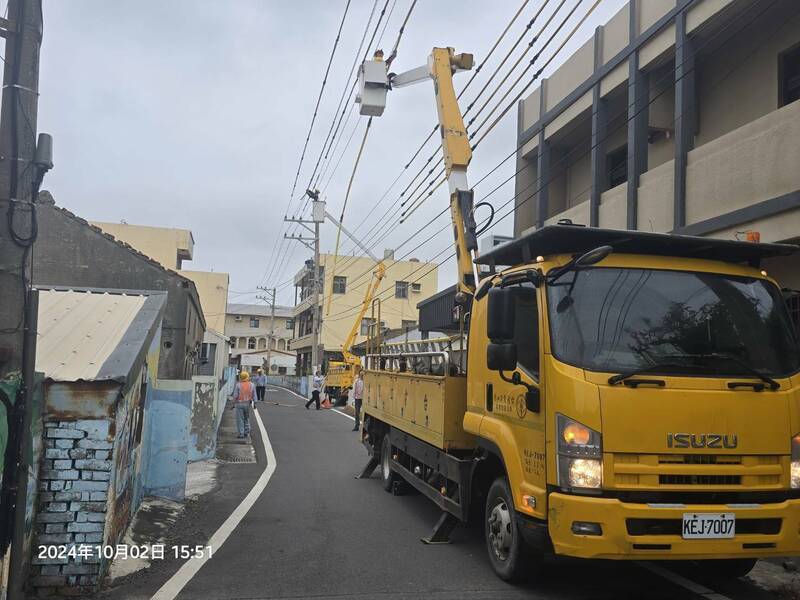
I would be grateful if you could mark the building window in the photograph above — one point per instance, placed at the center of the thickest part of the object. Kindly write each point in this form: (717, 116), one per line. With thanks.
(289, 323)
(251, 343)
(254, 322)
(789, 75)
(339, 284)
(233, 342)
(617, 164)
(416, 288)
(365, 325)
(262, 343)
(243, 342)
(204, 351)
(401, 289)
(408, 324)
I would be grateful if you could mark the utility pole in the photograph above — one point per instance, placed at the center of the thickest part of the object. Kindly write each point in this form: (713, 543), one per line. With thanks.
(271, 324)
(22, 168)
(312, 243)
(23, 33)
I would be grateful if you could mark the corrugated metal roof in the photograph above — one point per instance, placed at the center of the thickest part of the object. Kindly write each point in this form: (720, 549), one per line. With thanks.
(89, 336)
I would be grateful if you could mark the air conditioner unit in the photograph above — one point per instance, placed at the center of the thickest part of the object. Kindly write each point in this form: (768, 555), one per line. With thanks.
(238, 318)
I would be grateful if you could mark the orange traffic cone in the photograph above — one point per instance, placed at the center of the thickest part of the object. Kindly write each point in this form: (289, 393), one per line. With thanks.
(326, 402)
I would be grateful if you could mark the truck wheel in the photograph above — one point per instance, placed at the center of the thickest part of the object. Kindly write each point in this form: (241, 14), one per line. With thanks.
(387, 475)
(511, 558)
(732, 568)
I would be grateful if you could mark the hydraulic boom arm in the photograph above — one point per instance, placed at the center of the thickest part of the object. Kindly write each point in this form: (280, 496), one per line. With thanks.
(442, 64)
(372, 289)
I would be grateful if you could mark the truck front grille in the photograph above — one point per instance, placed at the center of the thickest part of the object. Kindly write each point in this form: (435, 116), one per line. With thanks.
(625, 471)
(699, 480)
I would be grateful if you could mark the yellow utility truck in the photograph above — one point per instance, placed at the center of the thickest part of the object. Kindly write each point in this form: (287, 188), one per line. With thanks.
(626, 395)
(341, 374)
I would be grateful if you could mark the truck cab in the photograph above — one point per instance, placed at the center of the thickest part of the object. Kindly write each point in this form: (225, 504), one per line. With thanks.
(641, 393)
(627, 395)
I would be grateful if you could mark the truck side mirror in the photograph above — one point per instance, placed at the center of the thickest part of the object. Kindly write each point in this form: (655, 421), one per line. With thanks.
(501, 357)
(500, 315)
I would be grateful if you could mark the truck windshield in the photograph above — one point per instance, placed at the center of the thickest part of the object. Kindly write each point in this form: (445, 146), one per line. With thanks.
(614, 319)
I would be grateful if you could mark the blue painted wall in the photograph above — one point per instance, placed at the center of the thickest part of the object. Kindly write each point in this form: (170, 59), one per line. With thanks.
(167, 439)
(295, 383)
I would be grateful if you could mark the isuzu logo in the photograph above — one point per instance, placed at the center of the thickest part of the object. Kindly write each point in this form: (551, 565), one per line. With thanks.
(701, 440)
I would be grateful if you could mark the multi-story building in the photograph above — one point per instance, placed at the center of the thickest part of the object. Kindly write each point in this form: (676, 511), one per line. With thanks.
(406, 283)
(248, 328)
(677, 116)
(171, 247)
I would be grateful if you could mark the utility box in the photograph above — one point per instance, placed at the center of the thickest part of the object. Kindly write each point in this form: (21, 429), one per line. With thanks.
(373, 83)
(318, 211)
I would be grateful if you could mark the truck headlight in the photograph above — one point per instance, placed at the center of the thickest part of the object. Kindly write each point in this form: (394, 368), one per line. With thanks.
(796, 462)
(580, 455)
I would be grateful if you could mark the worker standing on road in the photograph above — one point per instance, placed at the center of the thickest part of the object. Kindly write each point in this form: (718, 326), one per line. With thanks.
(244, 394)
(316, 389)
(261, 385)
(358, 394)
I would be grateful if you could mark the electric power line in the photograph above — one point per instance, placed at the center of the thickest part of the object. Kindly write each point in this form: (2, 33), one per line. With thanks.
(535, 192)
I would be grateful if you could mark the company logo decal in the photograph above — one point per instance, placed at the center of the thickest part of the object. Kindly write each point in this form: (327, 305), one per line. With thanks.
(702, 440)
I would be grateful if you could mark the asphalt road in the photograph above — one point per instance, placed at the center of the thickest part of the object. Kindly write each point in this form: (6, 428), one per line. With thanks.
(316, 532)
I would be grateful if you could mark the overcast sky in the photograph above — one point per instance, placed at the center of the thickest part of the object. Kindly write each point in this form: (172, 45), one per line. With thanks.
(193, 114)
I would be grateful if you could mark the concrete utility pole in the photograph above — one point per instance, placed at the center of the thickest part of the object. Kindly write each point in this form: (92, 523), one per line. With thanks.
(21, 172)
(312, 243)
(18, 175)
(271, 325)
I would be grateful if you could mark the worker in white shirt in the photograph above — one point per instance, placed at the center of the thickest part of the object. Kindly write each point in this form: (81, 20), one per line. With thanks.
(358, 395)
(316, 389)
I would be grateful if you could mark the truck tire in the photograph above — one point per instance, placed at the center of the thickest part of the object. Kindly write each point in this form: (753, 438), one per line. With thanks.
(509, 555)
(388, 477)
(731, 568)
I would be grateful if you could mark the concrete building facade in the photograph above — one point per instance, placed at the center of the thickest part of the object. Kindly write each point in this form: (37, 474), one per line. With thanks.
(171, 247)
(405, 284)
(678, 115)
(248, 327)
(167, 245)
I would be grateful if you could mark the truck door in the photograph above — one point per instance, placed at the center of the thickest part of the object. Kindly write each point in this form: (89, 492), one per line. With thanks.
(516, 427)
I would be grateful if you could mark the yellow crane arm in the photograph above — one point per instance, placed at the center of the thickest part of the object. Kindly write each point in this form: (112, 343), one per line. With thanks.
(374, 81)
(372, 289)
(457, 155)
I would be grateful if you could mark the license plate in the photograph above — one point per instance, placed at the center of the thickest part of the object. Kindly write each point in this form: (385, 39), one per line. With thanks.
(708, 526)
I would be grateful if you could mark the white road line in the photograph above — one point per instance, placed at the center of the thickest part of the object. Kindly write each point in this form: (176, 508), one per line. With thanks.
(682, 581)
(336, 410)
(283, 389)
(178, 581)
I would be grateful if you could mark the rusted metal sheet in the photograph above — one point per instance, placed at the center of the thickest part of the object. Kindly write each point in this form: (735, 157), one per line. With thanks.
(81, 400)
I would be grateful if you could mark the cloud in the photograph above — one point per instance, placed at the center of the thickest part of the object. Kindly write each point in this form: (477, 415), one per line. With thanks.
(193, 113)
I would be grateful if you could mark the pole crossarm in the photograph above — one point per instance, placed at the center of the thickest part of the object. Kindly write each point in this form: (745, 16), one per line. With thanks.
(307, 242)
